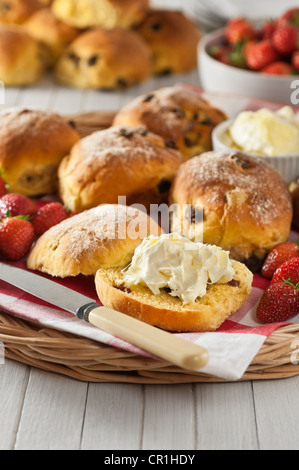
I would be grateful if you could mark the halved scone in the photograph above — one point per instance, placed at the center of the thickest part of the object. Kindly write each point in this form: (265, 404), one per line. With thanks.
(167, 312)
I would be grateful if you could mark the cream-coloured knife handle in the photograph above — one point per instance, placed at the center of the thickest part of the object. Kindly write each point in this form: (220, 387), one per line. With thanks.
(162, 344)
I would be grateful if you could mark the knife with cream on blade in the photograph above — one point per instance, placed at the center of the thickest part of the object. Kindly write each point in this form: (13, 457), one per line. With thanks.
(161, 343)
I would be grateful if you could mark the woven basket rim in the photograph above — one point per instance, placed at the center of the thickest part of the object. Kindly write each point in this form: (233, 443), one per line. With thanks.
(86, 360)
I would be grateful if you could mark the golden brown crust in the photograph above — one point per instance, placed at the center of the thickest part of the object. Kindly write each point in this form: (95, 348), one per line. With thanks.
(101, 13)
(56, 35)
(247, 208)
(167, 312)
(23, 60)
(18, 11)
(176, 113)
(173, 39)
(118, 162)
(294, 189)
(96, 238)
(32, 144)
(112, 59)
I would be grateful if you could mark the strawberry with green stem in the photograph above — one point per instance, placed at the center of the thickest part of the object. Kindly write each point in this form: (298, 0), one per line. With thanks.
(239, 30)
(289, 271)
(261, 54)
(290, 17)
(16, 204)
(279, 303)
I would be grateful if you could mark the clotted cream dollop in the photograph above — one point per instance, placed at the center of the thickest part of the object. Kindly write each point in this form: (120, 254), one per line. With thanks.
(174, 262)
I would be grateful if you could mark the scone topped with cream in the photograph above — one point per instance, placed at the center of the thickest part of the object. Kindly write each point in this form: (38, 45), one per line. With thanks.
(176, 284)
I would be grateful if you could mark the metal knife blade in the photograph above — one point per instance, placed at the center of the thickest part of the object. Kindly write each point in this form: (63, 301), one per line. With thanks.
(44, 289)
(162, 344)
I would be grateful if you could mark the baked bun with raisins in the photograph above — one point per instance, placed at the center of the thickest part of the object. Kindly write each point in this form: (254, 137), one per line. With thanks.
(49, 30)
(173, 39)
(177, 114)
(94, 239)
(105, 59)
(18, 11)
(32, 144)
(240, 203)
(120, 161)
(23, 60)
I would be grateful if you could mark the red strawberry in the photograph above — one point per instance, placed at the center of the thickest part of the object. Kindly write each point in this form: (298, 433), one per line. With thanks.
(278, 68)
(47, 216)
(220, 51)
(3, 189)
(269, 28)
(279, 303)
(16, 237)
(286, 39)
(295, 60)
(290, 17)
(261, 54)
(239, 30)
(16, 204)
(289, 271)
(278, 256)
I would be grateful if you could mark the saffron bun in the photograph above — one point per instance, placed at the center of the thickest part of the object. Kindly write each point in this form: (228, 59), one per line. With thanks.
(32, 144)
(23, 60)
(105, 59)
(294, 189)
(169, 313)
(120, 161)
(18, 11)
(173, 39)
(245, 205)
(55, 34)
(177, 114)
(103, 236)
(101, 13)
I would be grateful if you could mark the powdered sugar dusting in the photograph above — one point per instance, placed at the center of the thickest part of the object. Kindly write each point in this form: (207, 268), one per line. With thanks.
(24, 119)
(123, 141)
(85, 233)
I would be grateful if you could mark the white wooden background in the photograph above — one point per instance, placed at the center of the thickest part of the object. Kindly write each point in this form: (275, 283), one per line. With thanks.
(41, 411)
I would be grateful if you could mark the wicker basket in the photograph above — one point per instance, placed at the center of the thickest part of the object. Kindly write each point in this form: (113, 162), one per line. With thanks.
(89, 361)
(85, 360)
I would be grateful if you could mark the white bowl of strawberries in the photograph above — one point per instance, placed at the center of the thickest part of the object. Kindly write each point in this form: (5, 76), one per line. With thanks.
(258, 61)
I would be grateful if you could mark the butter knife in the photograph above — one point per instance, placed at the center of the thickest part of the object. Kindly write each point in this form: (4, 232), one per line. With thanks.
(160, 343)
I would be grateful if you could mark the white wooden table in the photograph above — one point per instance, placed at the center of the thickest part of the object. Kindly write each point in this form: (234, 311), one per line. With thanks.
(41, 410)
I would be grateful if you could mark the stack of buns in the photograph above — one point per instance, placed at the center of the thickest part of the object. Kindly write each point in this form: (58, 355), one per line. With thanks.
(95, 44)
(113, 178)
